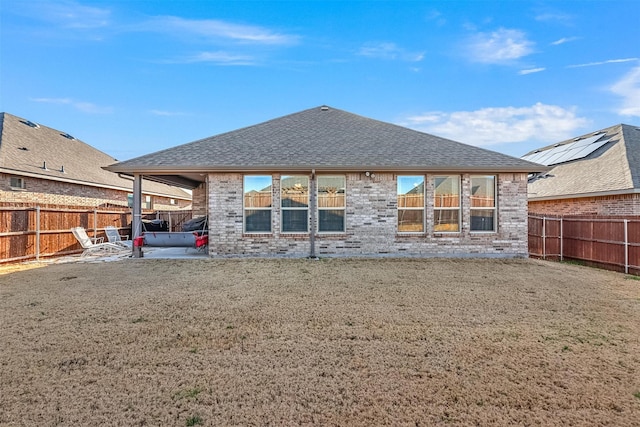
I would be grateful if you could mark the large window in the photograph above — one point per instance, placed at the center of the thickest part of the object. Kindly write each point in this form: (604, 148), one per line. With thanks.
(257, 204)
(331, 204)
(410, 204)
(446, 204)
(294, 201)
(483, 203)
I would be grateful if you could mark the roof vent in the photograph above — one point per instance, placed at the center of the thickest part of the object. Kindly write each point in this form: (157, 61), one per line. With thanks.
(66, 135)
(324, 108)
(30, 124)
(44, 166)
(23, 148)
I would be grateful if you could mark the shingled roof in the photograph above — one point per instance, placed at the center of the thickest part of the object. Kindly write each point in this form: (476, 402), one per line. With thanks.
(614, 168)
(31, 149)
(324, 139)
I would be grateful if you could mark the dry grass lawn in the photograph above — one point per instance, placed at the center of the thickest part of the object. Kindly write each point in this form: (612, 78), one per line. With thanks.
(329, 342)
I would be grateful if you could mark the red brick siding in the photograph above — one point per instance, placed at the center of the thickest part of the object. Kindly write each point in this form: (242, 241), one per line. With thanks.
(61, 193)
(625, 204)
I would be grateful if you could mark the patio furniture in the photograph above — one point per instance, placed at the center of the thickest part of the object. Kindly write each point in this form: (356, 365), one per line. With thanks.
(114, 236)
(94, 245)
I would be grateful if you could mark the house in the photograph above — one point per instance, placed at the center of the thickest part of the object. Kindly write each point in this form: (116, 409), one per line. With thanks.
(42, 165)
(326, 182)
(593, 174)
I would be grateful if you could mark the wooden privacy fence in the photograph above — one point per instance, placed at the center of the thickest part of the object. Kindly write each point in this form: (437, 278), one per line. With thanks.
(608, 242)
(31, 233)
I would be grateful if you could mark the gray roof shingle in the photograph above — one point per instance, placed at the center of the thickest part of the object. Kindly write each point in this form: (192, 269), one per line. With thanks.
(324, 138)
(26, 146)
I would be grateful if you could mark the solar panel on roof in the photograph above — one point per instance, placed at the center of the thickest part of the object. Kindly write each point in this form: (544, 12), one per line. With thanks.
(585, 151)
(567, 152)
(586, 141)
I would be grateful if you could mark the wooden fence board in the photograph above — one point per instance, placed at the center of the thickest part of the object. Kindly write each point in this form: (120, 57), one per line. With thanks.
(597, 240)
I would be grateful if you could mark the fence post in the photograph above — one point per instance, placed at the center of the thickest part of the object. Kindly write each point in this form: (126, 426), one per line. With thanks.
(95, 223)
(626, 246)
(37, 232)
(544, 237)
(561, 240)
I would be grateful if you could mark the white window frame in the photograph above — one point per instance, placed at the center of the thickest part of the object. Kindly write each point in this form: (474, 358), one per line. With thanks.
(289, 208)
(494, 208)
(419, 208)
(245, 208)
(22, 185)
(451, 209)
(319, 208)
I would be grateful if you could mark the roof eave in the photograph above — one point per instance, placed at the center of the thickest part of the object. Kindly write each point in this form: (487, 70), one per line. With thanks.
(585, 195)
(145, 170)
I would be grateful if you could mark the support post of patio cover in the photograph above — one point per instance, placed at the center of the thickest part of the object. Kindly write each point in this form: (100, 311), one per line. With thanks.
(136, 224)
(314, 206)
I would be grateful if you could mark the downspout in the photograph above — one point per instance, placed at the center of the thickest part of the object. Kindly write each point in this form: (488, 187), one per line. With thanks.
(314, 205)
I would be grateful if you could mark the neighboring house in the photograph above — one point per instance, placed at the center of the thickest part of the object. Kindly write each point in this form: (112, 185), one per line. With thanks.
(42, 165)
(593, 174)
(327, 182)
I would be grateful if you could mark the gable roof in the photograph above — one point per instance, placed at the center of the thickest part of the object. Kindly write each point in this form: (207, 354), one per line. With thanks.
(26, 147)
(324, 139)
(613, 168)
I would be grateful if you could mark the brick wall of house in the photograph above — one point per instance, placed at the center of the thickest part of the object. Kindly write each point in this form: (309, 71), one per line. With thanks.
(624, 204)
(49, 192)
(371, 222)
(199, 200)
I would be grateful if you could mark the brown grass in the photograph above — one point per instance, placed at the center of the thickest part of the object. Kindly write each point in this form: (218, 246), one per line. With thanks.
(329, 342)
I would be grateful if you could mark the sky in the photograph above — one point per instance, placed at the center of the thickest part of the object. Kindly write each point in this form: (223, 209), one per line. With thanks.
(133, 77)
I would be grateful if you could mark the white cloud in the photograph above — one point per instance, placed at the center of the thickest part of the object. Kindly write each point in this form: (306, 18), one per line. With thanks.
(540, 123)
(498, 47)
(85, 107)
(389, 51)
(164, 113)
(66, 14)
(608, 61)
(531, 71)
(564, 40)
(628, 87)
(555, 17)
(213, 29)
(221, 58)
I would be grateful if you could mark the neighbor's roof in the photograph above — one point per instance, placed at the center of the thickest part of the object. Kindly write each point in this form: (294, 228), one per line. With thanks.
(25, 148)
(324, 139)
(613, 168)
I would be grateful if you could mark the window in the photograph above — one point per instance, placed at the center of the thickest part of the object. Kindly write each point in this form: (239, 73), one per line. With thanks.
(331, 204)
(410, 204)
(446, 204)
(483, 203)
(294, 201)
(257, 204)
(147, 203)
(17, 183)
(130, 200)
(172, 201)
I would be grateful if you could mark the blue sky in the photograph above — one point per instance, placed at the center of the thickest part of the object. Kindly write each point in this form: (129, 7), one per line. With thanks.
(134, 77)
